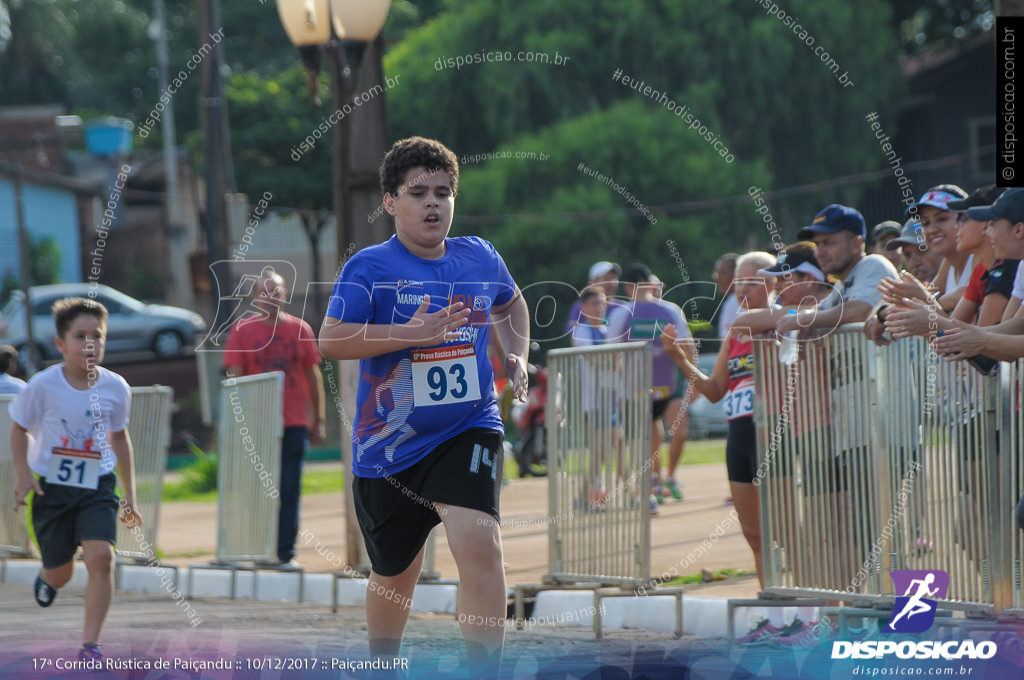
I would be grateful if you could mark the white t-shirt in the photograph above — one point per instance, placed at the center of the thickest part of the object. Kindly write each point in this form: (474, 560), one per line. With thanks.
(861, 283)
(1018, 283)
(952, 282)
(585, 335)
(850, 425)
(58, 415)
(727, 313)
(10, 385)
(593, 381)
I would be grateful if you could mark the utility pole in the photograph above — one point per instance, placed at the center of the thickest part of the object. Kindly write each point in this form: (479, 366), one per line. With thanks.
(213, 109)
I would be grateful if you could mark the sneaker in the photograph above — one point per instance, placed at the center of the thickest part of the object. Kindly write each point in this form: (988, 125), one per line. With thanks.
(290, 565)
(797, 636)
(659, 494)
(810, 636)
(761, 633)
(90, 651)
(654, 505)
(672, 488)
(44, 592)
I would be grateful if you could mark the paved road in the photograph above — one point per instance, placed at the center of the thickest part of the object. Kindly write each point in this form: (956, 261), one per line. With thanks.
(145, 629)
(188, 531)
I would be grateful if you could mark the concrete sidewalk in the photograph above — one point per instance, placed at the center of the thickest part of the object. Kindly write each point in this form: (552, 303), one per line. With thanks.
(188, 532)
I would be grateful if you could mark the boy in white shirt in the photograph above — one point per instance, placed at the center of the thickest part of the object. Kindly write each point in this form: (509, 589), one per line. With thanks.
(69, 432)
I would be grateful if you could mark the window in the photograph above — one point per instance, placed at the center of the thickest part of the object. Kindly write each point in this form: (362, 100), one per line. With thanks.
(981, 149)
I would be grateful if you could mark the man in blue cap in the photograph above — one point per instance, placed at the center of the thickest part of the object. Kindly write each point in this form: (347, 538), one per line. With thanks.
(838, 232)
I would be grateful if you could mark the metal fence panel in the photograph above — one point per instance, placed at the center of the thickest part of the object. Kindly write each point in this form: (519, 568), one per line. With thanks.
(599, 463)
(249, 467)
(14, 538)
(1008, 592)
(150, 430)
(893, 451)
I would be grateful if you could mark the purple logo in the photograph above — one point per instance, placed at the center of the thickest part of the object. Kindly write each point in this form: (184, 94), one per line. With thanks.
(914, 611)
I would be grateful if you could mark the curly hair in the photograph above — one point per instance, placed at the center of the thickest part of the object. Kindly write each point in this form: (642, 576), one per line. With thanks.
(66, 310)
(417, 152)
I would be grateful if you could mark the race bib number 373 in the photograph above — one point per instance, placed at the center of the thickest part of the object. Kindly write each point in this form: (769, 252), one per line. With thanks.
(445, 375)
(71, 467)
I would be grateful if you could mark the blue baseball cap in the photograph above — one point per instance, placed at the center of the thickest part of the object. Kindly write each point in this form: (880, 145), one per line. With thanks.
(1009, 205)
(833, 219)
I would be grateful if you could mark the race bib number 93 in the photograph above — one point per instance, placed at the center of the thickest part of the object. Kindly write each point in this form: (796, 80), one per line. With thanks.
(445, 375)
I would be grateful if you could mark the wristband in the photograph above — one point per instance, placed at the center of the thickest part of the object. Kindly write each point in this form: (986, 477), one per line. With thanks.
(878, 314)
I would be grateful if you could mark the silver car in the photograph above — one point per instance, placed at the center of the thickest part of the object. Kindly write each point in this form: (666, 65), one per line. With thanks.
(707, 419)
(132, 326)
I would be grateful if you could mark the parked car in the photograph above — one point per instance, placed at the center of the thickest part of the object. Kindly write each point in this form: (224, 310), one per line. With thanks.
(706, 419)
(133, 326)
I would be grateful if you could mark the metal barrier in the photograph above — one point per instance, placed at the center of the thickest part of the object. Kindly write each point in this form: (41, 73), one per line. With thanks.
(150, 430)
(874, 459)
(599, 460)
(14, 537)
(1008, 592)
(249, 467)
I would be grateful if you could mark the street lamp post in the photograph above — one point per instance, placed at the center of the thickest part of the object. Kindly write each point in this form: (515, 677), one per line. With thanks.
(345, 27)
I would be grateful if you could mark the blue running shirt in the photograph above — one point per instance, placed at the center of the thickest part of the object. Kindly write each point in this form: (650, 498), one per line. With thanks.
(412, 400)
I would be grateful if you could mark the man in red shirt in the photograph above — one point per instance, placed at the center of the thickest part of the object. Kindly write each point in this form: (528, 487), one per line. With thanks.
(278, 341)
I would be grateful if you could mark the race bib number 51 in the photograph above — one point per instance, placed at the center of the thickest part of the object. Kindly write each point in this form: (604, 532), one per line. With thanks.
(71, 467)
(445, 375)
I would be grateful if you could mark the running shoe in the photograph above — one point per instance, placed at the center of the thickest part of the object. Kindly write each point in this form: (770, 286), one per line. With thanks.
(808, 636)
(90, 651)
(654, 505)
(761, 633)
(798, 634)
(674, 489)
(44, 592)
(658, 493)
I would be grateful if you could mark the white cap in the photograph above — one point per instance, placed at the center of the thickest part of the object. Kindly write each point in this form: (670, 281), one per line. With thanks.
(599, 269)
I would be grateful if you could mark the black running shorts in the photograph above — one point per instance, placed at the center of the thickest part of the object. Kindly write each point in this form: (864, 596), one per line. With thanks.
(396, 512)
(64, 516)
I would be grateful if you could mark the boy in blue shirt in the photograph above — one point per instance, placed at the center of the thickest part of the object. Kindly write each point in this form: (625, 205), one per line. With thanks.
(77, 413)
(416, 311)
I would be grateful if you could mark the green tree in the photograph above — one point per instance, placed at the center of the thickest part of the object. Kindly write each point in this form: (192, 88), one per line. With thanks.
(551, 219)
(44, 267)
(270, 116)
(768, 89)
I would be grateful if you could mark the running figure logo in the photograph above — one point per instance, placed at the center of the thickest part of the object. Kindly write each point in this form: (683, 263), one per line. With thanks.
(914, 612)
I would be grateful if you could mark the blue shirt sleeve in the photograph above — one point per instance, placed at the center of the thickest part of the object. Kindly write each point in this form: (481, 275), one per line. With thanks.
(351, 300)
(507, 286)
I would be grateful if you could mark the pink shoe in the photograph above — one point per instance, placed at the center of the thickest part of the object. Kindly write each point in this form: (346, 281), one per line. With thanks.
(762, 633)
(807, 636)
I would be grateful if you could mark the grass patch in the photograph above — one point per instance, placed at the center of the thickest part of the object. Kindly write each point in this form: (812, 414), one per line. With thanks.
(313, 482)
(720, 575)
(193, 486)
(700, 451)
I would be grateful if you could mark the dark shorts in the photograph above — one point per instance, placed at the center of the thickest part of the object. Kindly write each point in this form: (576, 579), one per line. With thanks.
(396, 513)
(659, 406)
(850, 468)
(741, 451)
(64, 516)
(818, 464)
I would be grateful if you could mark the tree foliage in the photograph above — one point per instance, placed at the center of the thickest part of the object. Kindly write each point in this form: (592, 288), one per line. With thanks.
(770, 92)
